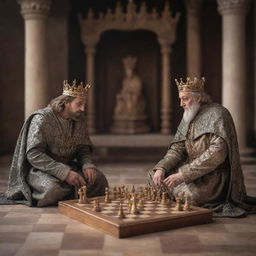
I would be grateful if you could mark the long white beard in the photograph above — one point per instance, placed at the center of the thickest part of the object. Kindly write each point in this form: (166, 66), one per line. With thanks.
(190, 112)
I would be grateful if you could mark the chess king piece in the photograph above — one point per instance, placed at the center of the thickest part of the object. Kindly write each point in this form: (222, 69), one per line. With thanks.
(121, 214)
(130, 111)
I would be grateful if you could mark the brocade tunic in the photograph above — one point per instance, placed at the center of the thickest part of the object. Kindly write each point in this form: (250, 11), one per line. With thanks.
(203, 164)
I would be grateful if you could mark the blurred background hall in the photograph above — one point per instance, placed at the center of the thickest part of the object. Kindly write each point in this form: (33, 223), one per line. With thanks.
(43, 42)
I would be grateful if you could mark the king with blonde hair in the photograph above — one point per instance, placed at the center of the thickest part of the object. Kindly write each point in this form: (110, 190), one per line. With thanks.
(53, 154)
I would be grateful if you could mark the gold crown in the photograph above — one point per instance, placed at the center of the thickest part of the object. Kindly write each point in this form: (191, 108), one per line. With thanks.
(75, 90)
(195, 85)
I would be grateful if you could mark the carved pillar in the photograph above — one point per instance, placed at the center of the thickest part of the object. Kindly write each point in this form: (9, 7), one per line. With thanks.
(233, 62)
(194, 45)
(35, 14)
(255, 74)
(166, 89)
(90, 52)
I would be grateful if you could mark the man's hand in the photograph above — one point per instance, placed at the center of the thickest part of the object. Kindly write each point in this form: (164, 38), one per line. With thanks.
(174, 180)
(75, 179)
(91, 174)
(158, 177)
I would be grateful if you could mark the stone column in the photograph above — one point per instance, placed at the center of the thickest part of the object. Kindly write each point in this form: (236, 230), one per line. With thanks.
(194, 45)
(255, 73)
(35, 14)
(90, 52)
(166, 89)
(233, 62)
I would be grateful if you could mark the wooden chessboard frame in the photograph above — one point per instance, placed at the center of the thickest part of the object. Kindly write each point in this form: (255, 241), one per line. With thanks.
(120, 228)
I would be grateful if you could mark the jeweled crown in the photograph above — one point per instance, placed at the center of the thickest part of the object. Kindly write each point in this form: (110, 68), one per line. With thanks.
(191, 85)
(75, 90)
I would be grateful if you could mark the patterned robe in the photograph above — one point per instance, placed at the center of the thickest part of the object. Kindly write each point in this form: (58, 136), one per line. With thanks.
(206, 153)
(47, 148)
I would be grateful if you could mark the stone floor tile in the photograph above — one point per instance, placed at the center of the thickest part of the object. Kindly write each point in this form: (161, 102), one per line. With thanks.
(211, 227)
(88, 253)
(137, 244)
(36, 252)
(49, 227)
(13, 237)
(180, 243)
(43, 240)
(82, 228)
(77, 241)
(16, 228)
(54, 218)
(9, 249)
(241, 227)
(232, 239)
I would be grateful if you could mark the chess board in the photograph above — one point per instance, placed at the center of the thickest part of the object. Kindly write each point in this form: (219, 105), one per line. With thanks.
(152, 218)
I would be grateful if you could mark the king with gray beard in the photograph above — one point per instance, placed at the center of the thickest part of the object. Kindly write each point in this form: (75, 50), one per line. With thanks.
(203, 162)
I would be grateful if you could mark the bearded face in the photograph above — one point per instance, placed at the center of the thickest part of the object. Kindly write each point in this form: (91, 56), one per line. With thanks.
(75, 108)
(190, 105)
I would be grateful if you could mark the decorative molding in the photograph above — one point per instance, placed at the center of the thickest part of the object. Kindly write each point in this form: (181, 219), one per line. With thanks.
(163, 24)
(227, 7)
(35, 9)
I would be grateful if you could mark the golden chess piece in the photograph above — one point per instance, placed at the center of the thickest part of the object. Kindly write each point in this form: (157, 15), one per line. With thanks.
(134, 209)
(158, 196)
(187, 206)
(164, 200)
(96, 206)
(107, 198)
(121, 214)
(80, 193)
(178, 206)
(141, 204)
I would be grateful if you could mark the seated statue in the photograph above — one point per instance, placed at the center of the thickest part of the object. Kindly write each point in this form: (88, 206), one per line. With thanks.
(203, 162)
(130, 111)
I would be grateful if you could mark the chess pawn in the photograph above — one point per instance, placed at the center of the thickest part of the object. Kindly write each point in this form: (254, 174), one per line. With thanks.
(134, 209)
(187, 206)
(80, 193)
(158, 197)
(164, 200)
(141, 204)
(133, 189)
(96, 206)
(129, 205)
(121, 214)
(178, 206)
(107, 199)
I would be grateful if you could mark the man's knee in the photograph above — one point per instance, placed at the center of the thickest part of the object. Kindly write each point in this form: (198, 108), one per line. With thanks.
(55, 193)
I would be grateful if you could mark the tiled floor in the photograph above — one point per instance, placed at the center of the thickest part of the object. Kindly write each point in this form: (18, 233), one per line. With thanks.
(43, 231)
